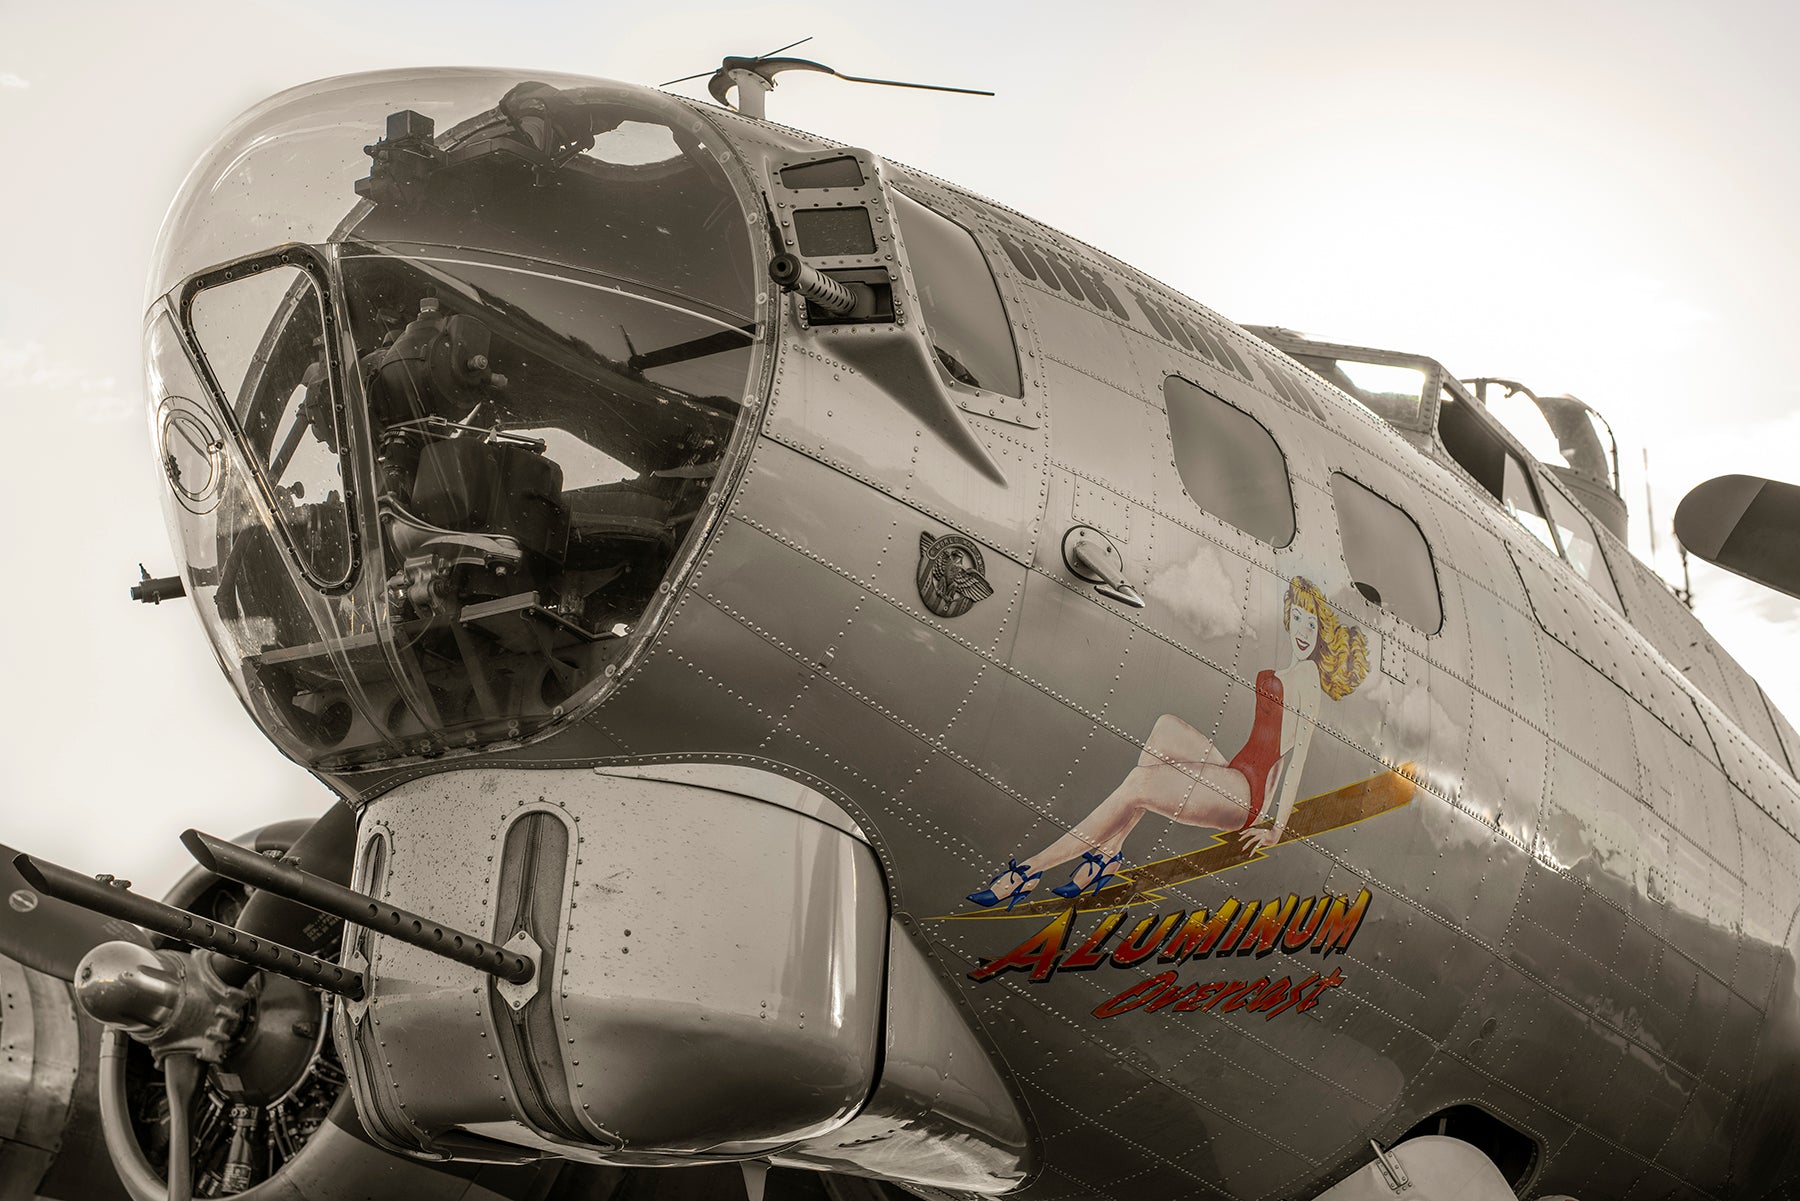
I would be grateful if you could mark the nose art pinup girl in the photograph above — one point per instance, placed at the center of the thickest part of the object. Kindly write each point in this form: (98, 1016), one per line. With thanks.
(1184, 777)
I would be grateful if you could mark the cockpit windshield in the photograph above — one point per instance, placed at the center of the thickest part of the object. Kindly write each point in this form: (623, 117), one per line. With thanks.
(468, 424)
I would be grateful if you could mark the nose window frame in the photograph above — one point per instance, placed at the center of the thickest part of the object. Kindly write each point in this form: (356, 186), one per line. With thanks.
(313, 264)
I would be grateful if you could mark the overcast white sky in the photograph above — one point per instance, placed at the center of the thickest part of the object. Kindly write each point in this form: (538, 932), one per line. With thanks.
(1593, 198)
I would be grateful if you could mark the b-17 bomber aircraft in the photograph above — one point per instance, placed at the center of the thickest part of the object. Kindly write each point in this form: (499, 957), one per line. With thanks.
(837, 689)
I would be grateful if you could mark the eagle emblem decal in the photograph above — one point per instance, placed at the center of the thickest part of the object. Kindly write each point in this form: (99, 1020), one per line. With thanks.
(951, 575)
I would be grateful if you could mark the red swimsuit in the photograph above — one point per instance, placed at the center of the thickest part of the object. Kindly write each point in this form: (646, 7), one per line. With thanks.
(1263, 747)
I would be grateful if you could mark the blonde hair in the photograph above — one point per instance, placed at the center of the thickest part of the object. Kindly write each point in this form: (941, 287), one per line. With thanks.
(1342, 652)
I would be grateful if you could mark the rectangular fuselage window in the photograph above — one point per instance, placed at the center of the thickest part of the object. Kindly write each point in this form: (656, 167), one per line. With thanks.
(963, 314)
(1389, 560)
(1229, 462)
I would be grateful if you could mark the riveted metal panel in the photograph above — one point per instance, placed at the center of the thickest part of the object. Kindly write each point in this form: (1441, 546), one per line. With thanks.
(1700, 1146)
(1083, 343)
(1742, 701)
(1672, 628)
(1754, 773)
(1612, 648)
(1790, 739)
(1590, 717)
(1101, 507)
(825, 408)
(861, 600)
(1102, 434)
(40, 1058)
(1769, 901)
(700, 670)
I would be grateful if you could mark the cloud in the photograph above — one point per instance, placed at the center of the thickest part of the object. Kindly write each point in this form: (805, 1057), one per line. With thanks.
(1758, 627)
(17, 83)
(26, 368)
(1205, 594)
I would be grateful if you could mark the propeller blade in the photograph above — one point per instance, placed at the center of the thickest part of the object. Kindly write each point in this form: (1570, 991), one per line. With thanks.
(49, 935)
(685, 78)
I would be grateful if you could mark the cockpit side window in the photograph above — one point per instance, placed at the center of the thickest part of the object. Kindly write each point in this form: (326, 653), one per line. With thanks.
(1229, 462)
(1388, 557)
(1582, 548)
(1520, 499)
(1484, 454)
(1476, 448)
(261, 332)
(967, 323)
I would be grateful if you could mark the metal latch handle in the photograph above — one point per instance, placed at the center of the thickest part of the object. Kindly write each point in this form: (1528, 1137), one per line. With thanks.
(1090, 555)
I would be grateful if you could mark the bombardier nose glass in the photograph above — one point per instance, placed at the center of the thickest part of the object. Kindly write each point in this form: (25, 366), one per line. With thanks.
(262, 335)
(535, 470)
(548, 322)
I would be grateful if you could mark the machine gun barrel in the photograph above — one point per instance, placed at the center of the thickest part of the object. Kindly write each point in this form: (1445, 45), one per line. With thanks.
(285, 880)
(114, 898)
(792, 275)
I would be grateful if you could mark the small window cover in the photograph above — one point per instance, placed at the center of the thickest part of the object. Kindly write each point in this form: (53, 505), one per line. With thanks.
(1389, 560)
(828, 233)
(842, 172)
(1229, 463)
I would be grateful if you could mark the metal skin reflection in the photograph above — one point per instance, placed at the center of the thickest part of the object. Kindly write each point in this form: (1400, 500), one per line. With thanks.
(1519, 864)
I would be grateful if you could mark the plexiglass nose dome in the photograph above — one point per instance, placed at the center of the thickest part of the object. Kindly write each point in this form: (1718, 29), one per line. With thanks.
(442, 368)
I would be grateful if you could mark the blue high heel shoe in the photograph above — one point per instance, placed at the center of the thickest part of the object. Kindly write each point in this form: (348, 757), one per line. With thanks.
(987, 898)
(1103, 874)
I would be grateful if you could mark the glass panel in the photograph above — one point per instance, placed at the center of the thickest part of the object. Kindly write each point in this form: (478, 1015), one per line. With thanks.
(1470, 441)
(1389, 389)
(1584, 438)
(547, 440)
(1520, 414)
(244, 586)
(550, 364)
(1516, 495)
(1581, 547)
(1389, 560)
(1229, 463)
(963, 313)
(1394, 394)
(263, 338)
(1603, 437)
(647, 199)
